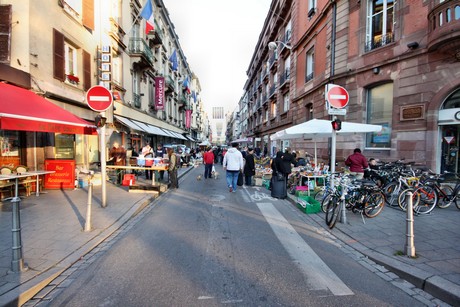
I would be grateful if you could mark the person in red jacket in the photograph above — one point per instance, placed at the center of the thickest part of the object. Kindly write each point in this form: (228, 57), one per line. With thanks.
(208, 160)
(357, 163)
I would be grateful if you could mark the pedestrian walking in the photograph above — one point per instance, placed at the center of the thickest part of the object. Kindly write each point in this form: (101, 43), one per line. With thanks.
(208, 160)
(249, 167)
(172, 169)
(357, 164)
(233, 164)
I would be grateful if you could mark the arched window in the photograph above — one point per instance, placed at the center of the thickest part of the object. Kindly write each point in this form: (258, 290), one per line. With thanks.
(452, 101)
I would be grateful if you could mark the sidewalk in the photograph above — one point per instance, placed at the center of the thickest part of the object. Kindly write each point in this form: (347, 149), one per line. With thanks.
(436, 267)
(53, 237)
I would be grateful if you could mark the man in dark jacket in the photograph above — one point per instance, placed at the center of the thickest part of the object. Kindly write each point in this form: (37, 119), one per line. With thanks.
(357, 163)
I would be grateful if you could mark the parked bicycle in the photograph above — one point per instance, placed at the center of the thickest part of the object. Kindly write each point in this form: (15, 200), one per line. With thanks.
(358, 196)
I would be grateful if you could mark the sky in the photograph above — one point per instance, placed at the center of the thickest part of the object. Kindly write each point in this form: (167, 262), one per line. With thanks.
(218, 39)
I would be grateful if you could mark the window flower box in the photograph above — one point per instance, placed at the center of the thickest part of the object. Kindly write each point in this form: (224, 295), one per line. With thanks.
(73, 79)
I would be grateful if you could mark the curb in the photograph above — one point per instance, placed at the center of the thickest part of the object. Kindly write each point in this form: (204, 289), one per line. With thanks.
(435, 285)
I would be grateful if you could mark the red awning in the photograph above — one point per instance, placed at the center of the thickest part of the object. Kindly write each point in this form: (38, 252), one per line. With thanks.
(21, 109)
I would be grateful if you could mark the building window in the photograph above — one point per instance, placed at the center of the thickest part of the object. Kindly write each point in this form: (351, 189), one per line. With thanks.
(310, 64)
(309, 115)
(380, 23)
(379, 112)
(273, 109)
(266, 115)
(116, 70)
(71, 61)
(311, 8)
(286, 102)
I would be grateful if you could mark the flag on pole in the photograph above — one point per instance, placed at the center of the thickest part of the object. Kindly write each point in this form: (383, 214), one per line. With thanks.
(147, 14)
(173, 60)
(186, 85)
(194, 96)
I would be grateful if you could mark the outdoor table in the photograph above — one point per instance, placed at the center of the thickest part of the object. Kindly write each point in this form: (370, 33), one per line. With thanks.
(37, 174)
(163, 167)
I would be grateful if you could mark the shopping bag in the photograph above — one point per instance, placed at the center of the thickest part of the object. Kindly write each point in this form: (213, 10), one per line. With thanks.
(240, 179)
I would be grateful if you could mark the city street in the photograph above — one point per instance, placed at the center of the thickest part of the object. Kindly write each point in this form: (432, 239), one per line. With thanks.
(203, 246)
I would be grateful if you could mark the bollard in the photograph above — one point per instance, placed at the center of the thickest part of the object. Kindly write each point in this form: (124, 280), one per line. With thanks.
(88, 208)
(410, 248)
(17, 262)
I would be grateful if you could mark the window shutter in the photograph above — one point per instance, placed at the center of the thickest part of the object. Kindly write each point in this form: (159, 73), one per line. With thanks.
(58, 56)
(5, 33)
(86, 70)
(88, 14)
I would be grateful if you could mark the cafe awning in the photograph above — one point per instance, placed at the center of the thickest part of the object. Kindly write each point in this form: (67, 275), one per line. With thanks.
(21, 109)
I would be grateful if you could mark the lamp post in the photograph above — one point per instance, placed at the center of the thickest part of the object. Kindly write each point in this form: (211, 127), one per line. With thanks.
(274, 45)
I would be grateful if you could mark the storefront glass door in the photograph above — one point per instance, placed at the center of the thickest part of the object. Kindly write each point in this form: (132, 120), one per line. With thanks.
(450, 145)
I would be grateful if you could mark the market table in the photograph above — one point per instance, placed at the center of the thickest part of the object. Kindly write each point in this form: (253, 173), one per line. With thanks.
(312, 178)
(163, 167)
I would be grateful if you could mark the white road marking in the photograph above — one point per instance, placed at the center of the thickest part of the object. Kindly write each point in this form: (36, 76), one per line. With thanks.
(319, 276)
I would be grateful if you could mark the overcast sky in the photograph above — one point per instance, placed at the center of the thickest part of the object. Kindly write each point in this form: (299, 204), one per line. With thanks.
(218, 38)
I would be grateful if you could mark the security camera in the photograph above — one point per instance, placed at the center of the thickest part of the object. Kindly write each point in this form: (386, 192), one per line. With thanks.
(272, 45)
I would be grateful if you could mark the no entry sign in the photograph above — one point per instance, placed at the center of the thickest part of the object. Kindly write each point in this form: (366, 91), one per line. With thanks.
(337, 96)
(99, 98)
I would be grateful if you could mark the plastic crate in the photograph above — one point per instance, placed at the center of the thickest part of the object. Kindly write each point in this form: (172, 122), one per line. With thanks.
(308, 204)
(266, 183)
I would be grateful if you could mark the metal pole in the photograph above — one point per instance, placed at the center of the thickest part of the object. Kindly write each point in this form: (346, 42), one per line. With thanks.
(88, 208)
(410, 248)
(103, 164)
(343, 214)
(17, 262)
(333, 143)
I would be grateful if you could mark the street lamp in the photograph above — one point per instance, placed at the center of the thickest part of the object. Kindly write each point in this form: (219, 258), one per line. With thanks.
(274, 45)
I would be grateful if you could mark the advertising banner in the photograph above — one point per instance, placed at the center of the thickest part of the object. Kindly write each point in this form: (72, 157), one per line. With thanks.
(159, 93)
(188, 118)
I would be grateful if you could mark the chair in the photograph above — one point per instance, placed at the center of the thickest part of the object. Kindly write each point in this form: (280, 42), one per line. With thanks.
(6, 185)
(27, 182)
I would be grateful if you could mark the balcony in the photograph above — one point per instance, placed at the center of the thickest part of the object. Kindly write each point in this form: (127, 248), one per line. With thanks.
(137, 100)
(139, 48)
(182, 100)
(284, 80)
(444, 28)
(378, 41)
(156, 37)
(170, 85)
(272, 91)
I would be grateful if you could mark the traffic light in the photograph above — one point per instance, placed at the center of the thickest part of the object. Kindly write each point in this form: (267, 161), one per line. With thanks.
(336, 124)
(99, 121)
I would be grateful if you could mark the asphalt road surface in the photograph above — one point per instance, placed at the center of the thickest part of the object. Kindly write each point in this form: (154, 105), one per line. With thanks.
(201, 245)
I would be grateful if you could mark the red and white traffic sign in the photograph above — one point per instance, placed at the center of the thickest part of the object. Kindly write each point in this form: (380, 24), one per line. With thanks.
(337, 96)
(99, 98)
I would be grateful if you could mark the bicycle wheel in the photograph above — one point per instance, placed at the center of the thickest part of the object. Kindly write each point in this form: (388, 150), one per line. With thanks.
(374, 204)
(332, 211)
(428, 199)
(391, 192)
(325, 201)
(319, 196)
(445, 201)
(402, 199)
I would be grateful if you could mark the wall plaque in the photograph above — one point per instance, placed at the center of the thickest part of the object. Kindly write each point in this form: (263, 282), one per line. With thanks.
(412, 112)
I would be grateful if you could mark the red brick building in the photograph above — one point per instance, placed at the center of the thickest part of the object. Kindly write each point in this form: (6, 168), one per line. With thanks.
(398, 59)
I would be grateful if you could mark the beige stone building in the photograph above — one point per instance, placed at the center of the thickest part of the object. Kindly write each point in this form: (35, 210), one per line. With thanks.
(60, 49)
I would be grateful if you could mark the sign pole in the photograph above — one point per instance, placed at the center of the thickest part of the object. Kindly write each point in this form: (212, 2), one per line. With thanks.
(103, 164)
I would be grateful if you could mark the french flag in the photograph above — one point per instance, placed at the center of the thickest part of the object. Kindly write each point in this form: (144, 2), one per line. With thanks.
(147, 14)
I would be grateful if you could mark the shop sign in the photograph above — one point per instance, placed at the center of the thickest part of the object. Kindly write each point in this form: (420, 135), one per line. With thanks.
(63, 176)
(188, 118)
